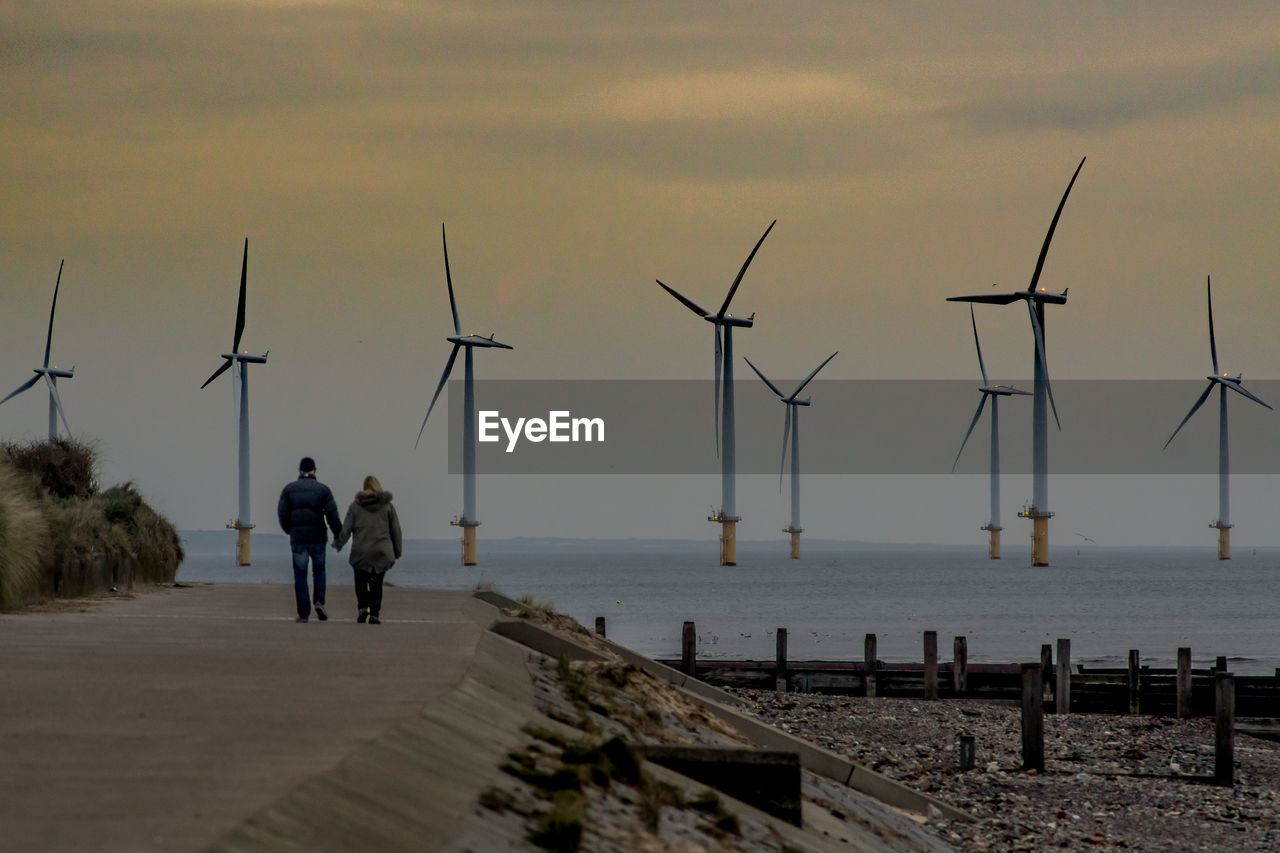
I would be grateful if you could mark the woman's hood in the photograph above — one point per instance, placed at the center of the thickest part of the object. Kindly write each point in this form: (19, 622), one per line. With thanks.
(372, 500)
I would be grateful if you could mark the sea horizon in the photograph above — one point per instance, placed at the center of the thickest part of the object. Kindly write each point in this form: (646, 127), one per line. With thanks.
(1106, 599)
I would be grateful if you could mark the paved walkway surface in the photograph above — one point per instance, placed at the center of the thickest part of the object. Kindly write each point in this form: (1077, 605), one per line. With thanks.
(165, 721)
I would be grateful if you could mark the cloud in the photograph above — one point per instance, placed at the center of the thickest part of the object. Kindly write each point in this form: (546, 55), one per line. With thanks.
(1095, 99)
(760, 94)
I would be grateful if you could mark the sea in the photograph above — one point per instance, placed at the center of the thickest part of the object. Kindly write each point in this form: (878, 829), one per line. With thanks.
(1105, 600)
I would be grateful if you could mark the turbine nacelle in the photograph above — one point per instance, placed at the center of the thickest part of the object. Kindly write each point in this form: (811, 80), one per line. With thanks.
(1043, 295)
(244, 356)
(730, 320)
(55, 372)
(1225, 378)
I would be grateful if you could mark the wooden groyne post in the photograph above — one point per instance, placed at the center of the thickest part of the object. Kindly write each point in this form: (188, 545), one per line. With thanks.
(1135, 683)
(869, 664)
(1062, 695)
(930, 664)
(960, 666)
(1224, 691)
(600, 625)
(1184, 681)
(1032, 718)
(688, 648)
(780, 671)
(1046, 685)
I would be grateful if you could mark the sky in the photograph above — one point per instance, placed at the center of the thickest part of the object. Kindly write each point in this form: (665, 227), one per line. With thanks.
(576, 153)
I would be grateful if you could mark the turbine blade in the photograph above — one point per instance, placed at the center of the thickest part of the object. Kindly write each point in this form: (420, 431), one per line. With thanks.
(786, 437)
(1213, 345)
(991, 299)
(973, 423)
(1044, 250)
(1238, 389)
(221, 370)
(444, 377)
(244, 278)
(688, 303)
(1044, 362)
(23, 387)
(719, 358)
(448, 277)
(809, 378)
(742, 272)
(1194, 409)
(772, 387)
(48, 341)
(57, 402)
(981, 366)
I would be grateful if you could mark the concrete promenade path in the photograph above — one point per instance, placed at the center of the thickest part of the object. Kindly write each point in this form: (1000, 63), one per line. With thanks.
(166, 720)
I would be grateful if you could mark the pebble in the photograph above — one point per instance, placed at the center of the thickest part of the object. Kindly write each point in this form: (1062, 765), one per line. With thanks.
(1114, 782)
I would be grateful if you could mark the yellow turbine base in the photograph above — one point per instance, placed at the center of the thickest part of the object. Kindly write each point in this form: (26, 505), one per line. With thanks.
(795, 546)
(994, 551)
(242, 546)
(1224, 543)
(469, 545)
(1040, 541)
(729, 543)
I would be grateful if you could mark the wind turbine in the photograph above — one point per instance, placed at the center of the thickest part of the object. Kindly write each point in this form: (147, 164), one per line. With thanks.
(728, 514)
(791, 431)
(1223, 381)
(468, 522)
(237, 362)
(994, 392)
(1036, 297)
(50, 374)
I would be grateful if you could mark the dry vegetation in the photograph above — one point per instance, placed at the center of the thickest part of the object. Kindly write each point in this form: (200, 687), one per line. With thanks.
(62, 537)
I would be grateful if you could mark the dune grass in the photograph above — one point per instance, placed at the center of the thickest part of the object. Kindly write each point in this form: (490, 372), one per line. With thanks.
(24, 538)
(60, 536)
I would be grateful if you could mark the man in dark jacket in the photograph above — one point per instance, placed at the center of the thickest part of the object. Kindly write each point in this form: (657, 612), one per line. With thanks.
(306, 505)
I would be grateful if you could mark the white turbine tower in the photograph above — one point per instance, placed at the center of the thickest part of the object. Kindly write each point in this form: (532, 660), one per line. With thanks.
(240, 389)
(727, 516)
(1036, 297)
(51, 375)
(1223, 381)
(995, 392)
(469, 521)
(791, 432)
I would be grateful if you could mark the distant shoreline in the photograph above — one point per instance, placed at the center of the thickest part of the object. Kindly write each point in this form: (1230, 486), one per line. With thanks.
(218, 537)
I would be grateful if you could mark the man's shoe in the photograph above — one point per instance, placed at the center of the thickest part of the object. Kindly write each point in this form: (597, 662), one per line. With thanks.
(300, 619)
(374, 620)
(363, 617)
(320, 614)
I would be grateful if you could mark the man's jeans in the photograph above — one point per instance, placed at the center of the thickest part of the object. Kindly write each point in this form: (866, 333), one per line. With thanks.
(315, 551)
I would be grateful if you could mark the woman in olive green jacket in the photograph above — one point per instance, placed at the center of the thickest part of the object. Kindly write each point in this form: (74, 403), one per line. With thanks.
(374, 530)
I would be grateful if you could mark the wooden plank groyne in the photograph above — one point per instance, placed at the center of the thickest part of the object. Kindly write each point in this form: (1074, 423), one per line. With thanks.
(1137, 689)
